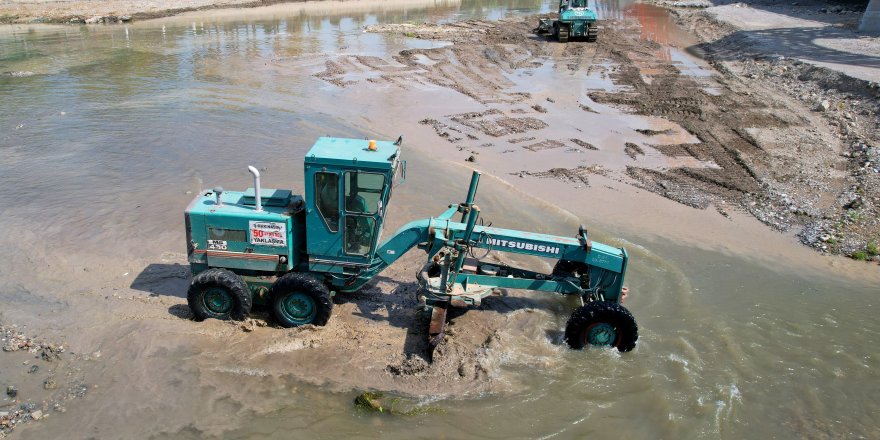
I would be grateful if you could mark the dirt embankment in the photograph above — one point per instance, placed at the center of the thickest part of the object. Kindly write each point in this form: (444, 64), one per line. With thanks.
(831, 183)
(114, 11)
(794, 145)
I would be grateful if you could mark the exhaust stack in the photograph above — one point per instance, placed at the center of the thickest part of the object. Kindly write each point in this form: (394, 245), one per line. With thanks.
(259, 201)
(219, 192)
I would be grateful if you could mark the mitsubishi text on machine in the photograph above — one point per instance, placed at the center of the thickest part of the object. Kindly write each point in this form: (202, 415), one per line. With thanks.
(522, 245)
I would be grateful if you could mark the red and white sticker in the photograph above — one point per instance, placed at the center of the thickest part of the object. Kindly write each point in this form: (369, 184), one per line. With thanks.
(268, 233)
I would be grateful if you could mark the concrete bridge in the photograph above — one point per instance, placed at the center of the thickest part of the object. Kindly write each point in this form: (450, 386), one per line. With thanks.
(871, 19)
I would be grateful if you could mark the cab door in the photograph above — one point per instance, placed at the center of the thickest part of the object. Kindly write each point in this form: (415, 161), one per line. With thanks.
(364, 194)
(324, 213)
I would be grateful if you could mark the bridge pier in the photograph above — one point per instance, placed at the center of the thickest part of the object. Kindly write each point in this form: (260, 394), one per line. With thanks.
(871, 20)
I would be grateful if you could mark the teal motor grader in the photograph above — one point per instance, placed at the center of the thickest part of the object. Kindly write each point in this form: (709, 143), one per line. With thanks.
(293, 252)
(576, 20)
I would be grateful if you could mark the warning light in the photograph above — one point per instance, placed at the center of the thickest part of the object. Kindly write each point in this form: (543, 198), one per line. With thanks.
(372, 146)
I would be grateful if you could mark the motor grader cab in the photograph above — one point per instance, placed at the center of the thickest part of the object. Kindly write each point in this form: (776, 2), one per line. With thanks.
(348, 185)
(292, 252)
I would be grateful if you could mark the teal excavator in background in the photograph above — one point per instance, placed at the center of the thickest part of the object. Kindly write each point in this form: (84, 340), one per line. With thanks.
(576, 20)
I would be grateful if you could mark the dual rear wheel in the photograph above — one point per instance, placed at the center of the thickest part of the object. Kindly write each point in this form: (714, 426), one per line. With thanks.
(295, 299)
(298, 299)
(219, 294)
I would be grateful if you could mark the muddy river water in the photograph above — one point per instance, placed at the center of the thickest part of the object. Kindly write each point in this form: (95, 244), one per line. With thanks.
(107, 132)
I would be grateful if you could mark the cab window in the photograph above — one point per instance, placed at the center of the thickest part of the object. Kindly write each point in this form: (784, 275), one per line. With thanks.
(363, 192)
(327, 198)
(359, 231)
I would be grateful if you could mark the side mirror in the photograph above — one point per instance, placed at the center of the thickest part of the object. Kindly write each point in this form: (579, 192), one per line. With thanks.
(401, 169)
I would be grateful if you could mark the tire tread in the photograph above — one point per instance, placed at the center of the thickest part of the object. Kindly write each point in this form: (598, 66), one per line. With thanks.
(217, 277)
(292, 282)
(602, 311)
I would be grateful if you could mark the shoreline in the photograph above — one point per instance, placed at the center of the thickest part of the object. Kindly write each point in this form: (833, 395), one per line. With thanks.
(72, 12)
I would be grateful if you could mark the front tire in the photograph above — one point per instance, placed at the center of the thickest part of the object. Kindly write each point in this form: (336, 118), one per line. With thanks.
(219, 294)
(299, 299)
(603, 324)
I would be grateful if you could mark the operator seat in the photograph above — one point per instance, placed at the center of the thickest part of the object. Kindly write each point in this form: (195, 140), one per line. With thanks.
(358, 233)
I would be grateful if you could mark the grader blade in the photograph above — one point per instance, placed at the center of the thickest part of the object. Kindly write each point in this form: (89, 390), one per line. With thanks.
(437, 328)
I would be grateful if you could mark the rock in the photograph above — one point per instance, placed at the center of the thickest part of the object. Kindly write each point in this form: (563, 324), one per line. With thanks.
(823, 11)
(836, 9)
(95, 20)
(393, 405)
(4, 414)
(19, 74)
(855, 203)
(125, 18)
(11, 391)
(471, 158)
(37, 415)
(824, 106)
(33, 369)
(369, 401)
(689, 4)
(50, 384)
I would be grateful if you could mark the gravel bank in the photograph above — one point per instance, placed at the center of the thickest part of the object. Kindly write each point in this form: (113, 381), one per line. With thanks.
(832, 196)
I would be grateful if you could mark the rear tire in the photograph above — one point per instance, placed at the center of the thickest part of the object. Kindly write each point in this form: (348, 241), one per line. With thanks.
(219, 294)
(603, 324)
(299, 299)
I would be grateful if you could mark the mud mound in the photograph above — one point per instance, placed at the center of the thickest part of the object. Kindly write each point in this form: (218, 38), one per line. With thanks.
(376, 339)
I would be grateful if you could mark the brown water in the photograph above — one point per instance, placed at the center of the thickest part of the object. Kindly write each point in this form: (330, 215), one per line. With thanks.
(743, 333)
